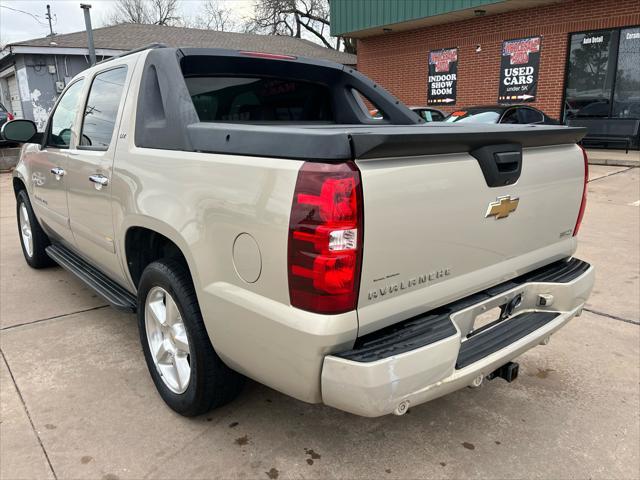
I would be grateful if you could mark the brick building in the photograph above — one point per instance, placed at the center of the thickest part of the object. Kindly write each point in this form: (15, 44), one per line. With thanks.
(589, 56)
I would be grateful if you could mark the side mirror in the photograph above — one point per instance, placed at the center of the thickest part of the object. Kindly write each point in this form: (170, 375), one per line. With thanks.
(20, 131)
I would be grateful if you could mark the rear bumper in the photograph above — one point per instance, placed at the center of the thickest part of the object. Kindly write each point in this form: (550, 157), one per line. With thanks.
(385, 374)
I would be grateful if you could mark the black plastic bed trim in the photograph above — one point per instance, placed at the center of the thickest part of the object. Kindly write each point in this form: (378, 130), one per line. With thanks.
(436, 325)
(166, 117)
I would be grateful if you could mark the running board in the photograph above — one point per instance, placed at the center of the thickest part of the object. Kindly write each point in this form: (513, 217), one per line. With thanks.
(113, 293)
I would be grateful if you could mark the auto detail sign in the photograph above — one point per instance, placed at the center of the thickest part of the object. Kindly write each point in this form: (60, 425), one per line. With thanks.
(519, 70)
(443, 73)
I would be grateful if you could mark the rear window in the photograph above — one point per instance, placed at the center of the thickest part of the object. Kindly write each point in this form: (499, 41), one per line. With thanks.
(259, 99)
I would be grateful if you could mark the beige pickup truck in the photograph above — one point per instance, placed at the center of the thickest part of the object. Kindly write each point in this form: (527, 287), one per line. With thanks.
(263, 224)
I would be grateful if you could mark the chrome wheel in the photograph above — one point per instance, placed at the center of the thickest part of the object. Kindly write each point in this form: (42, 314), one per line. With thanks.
(167, 337)
(25, 230)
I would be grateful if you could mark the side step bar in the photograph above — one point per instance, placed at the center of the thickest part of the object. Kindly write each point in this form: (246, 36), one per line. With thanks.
(113, 293)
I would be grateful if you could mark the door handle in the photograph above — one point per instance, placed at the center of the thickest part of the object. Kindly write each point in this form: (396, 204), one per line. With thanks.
(58, 172)
(99, 181)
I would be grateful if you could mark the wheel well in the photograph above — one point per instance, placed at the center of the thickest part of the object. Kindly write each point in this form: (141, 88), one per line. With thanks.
(144, 246)
(18, 185)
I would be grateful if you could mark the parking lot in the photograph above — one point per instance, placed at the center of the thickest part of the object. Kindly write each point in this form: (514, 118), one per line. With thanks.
(77, 401)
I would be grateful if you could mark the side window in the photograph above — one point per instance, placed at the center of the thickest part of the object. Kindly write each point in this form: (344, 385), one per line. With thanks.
(369, 109)
(101, 110)
(528, 115)
(511, 116)
(64, 116)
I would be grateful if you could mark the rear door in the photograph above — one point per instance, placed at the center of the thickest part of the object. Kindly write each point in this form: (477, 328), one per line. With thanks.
(49, 166)
(90, 168)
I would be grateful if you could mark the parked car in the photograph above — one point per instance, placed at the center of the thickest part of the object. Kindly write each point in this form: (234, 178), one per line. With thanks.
(5, 116)
(260, 223)
(429, 114)
(519, 114)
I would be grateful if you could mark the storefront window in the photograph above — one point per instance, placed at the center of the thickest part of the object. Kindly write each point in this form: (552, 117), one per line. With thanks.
(590, 76)
(626, 99)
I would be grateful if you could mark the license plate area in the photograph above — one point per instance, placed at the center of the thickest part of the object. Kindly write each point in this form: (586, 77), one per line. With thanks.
(486, 320)
(485, 315)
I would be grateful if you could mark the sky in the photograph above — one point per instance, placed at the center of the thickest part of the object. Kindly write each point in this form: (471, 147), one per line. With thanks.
(69, 17)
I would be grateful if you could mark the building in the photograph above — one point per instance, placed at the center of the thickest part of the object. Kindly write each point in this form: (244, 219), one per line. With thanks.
(577, 60)
(34, 72)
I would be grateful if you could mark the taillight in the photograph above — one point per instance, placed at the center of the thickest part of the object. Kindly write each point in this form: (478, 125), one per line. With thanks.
(270, 56)
(583, 204)
(10, 116)
(325, 238)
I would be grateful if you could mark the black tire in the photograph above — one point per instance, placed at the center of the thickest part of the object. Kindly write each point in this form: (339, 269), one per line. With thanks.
(211, 383)
(38, 257)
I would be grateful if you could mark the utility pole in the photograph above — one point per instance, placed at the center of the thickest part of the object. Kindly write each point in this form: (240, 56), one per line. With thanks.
(48, 17)
(87, 23)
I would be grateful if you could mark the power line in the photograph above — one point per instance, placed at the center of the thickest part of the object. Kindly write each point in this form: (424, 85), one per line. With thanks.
(35, 17)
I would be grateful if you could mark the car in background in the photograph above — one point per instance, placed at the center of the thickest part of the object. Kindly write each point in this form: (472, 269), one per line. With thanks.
(518, 114)
(5, 116)
(428, 114)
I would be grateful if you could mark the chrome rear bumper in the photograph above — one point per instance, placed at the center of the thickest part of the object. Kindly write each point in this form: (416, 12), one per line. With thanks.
(380, 376)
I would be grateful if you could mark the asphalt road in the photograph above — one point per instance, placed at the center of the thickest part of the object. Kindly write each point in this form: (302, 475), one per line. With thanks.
(77, 402)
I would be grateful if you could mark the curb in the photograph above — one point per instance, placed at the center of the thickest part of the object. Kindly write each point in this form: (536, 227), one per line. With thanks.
(614, 162)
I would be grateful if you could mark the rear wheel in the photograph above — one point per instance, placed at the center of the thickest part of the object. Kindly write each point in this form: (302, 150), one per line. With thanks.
(185, 368)
(32, 238)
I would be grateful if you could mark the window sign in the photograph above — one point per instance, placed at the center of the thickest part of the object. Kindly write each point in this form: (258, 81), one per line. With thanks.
(590, 74)
(626, 97)
(519, 70)
(443, 73)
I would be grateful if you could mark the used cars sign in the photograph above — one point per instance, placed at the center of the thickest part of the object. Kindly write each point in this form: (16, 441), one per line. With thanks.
(519, 70)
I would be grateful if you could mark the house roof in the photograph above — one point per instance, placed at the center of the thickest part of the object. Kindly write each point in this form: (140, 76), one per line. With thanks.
(128, 36)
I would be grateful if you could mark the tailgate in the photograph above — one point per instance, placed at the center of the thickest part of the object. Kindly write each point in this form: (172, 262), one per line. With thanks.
(430, 238)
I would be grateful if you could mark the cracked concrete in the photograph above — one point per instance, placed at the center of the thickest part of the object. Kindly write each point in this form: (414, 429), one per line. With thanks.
(78, 393)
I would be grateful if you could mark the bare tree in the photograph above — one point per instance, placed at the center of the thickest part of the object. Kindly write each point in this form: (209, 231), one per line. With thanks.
(293, 17)
(155, 12)
(214, 16)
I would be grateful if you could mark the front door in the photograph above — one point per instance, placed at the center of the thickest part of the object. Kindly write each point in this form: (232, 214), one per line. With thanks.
(49, 166)
(90, 169)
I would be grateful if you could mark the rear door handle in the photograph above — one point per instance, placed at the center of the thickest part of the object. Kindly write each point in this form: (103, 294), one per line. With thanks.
(58, 172)
(99, 181)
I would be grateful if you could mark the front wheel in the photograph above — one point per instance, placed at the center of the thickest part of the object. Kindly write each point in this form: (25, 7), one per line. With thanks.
(32, 238)
(185, 368)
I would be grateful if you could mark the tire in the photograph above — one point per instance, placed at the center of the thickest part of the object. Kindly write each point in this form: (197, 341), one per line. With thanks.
(210, 382)
(29, 227)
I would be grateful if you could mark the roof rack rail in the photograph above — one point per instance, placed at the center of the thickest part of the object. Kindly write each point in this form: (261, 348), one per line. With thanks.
(135, 50)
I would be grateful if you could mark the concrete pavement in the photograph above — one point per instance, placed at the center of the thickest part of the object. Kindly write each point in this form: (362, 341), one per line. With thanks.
(77, 402)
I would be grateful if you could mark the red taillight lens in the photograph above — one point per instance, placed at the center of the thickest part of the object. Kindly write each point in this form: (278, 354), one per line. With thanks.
(583, 204)
(325, 238)
(10, 116)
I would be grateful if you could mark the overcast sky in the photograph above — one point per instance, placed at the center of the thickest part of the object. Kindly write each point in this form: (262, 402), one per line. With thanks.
(68, 16)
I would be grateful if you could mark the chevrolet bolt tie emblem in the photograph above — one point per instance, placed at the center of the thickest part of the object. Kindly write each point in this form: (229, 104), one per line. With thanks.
(502, 207)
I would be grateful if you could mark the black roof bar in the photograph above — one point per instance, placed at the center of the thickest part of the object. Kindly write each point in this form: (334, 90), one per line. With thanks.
(135, 50)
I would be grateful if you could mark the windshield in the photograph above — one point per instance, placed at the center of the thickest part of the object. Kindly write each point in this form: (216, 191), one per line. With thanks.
(474, 116)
